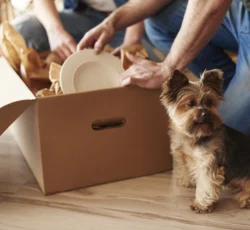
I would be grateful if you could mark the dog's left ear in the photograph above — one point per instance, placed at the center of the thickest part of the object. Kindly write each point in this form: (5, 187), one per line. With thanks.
(172, 86)
(213, 79)
(177, 80)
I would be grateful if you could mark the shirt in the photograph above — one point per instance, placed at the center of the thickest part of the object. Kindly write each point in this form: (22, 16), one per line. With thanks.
(101, 5)
(72, 4)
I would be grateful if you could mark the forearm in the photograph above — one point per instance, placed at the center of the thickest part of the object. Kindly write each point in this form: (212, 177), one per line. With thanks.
(134, 33)
(201, 21)
(133, 12)
(47, 14)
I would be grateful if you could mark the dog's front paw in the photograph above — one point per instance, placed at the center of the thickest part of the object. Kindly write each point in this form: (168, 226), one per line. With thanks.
(245, 203)
(197, 208)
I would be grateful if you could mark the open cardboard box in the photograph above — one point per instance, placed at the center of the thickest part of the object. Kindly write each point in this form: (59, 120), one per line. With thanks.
(78, 140)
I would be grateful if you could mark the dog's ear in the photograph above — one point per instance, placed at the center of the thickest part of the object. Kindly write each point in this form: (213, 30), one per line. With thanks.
(177, 80)
(172, 85)
(213, 79)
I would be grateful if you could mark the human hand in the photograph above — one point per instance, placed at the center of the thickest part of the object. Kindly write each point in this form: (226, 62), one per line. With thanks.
(145, 73)
(61, 42)
(97, 37)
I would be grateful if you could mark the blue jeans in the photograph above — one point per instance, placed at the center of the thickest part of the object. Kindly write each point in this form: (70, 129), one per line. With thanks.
(76, 23)
(233, 35)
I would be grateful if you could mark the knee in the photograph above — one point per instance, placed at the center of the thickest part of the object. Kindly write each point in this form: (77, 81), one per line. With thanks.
(26, 25)
(32, 31)
(158, 38)
(169, 18)
(165, 25)
(152, 30)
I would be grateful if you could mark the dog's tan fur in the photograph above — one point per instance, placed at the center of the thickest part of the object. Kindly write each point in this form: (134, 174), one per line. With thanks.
(243, 195)
(198, 147)
(193, 167)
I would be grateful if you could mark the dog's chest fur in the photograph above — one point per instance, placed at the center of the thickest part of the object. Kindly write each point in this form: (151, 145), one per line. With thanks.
(227, 148)
(196, 155)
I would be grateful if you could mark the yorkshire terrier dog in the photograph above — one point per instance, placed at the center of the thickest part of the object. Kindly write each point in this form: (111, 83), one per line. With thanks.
(207, 154)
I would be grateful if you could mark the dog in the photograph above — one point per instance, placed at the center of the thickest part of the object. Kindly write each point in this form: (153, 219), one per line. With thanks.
(207, 154)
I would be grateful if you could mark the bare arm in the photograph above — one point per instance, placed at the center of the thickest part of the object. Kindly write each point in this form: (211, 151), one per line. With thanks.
(134, 33)
(61, 42)
(201, 21)
(47, 14)
(134, 11)
(196, 31)
(127, 15)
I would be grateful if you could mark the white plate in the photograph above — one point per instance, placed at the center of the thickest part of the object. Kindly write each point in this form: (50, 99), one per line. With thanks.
(85, 71)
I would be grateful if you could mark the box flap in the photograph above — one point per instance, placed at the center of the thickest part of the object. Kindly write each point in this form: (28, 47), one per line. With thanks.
(15, 97)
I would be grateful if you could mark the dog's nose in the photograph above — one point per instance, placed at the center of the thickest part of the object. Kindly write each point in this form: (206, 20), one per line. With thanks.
(205, 116)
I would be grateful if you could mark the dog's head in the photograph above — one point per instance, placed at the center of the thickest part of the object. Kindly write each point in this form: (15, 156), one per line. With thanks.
(193, 106)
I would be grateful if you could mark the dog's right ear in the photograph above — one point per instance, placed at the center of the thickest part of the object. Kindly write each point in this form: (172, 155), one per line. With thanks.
(172, 85)
(214, 80)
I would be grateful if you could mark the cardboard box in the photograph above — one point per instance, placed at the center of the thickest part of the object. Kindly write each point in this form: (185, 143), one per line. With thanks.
(78, 140)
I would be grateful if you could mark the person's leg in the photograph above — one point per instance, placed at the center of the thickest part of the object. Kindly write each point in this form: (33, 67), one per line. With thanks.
(164, 27)
(236, 107)
(35, 35)
(76, 23)
(233, 35)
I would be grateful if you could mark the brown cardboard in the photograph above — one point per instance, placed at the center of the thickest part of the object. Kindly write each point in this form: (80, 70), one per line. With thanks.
(26, 133)
(67, 144)
(15, 97)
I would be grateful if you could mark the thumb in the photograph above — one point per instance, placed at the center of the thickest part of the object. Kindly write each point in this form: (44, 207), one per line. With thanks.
(84, 42)
(72, 45)
(101, 42)
(134, 81)
(116, 51)
(134, 59)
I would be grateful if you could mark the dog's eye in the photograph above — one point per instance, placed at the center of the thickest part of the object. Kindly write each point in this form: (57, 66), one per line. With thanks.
(191, 103)
(209, 102)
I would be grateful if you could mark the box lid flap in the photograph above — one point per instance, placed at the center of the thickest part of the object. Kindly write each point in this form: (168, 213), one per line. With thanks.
(15, 97)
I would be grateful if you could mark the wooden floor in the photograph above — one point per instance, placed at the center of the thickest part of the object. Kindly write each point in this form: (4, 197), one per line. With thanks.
(143, 203)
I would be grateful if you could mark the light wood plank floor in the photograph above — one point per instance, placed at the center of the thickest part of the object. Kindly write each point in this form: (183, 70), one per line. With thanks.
(139, 204)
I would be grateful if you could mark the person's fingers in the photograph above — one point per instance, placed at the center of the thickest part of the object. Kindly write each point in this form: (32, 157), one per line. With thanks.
(136, 75)
(92, 43)
(67, 52)
(116, 51)
(135, 70)
(85, 41)
(134, 59)
(135, 81)
(60, 54)
(144, 63)
(126, 82)
(71, 45)
(128, 73)
(139, 74)
(101, 43)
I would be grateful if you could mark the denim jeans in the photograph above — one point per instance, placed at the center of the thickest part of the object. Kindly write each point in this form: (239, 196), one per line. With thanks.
(233, 35)
(77, 23)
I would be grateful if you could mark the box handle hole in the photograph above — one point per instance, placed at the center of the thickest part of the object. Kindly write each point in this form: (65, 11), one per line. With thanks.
(108, 123)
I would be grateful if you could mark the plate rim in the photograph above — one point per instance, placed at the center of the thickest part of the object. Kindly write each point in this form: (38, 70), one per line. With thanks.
(73, 62)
